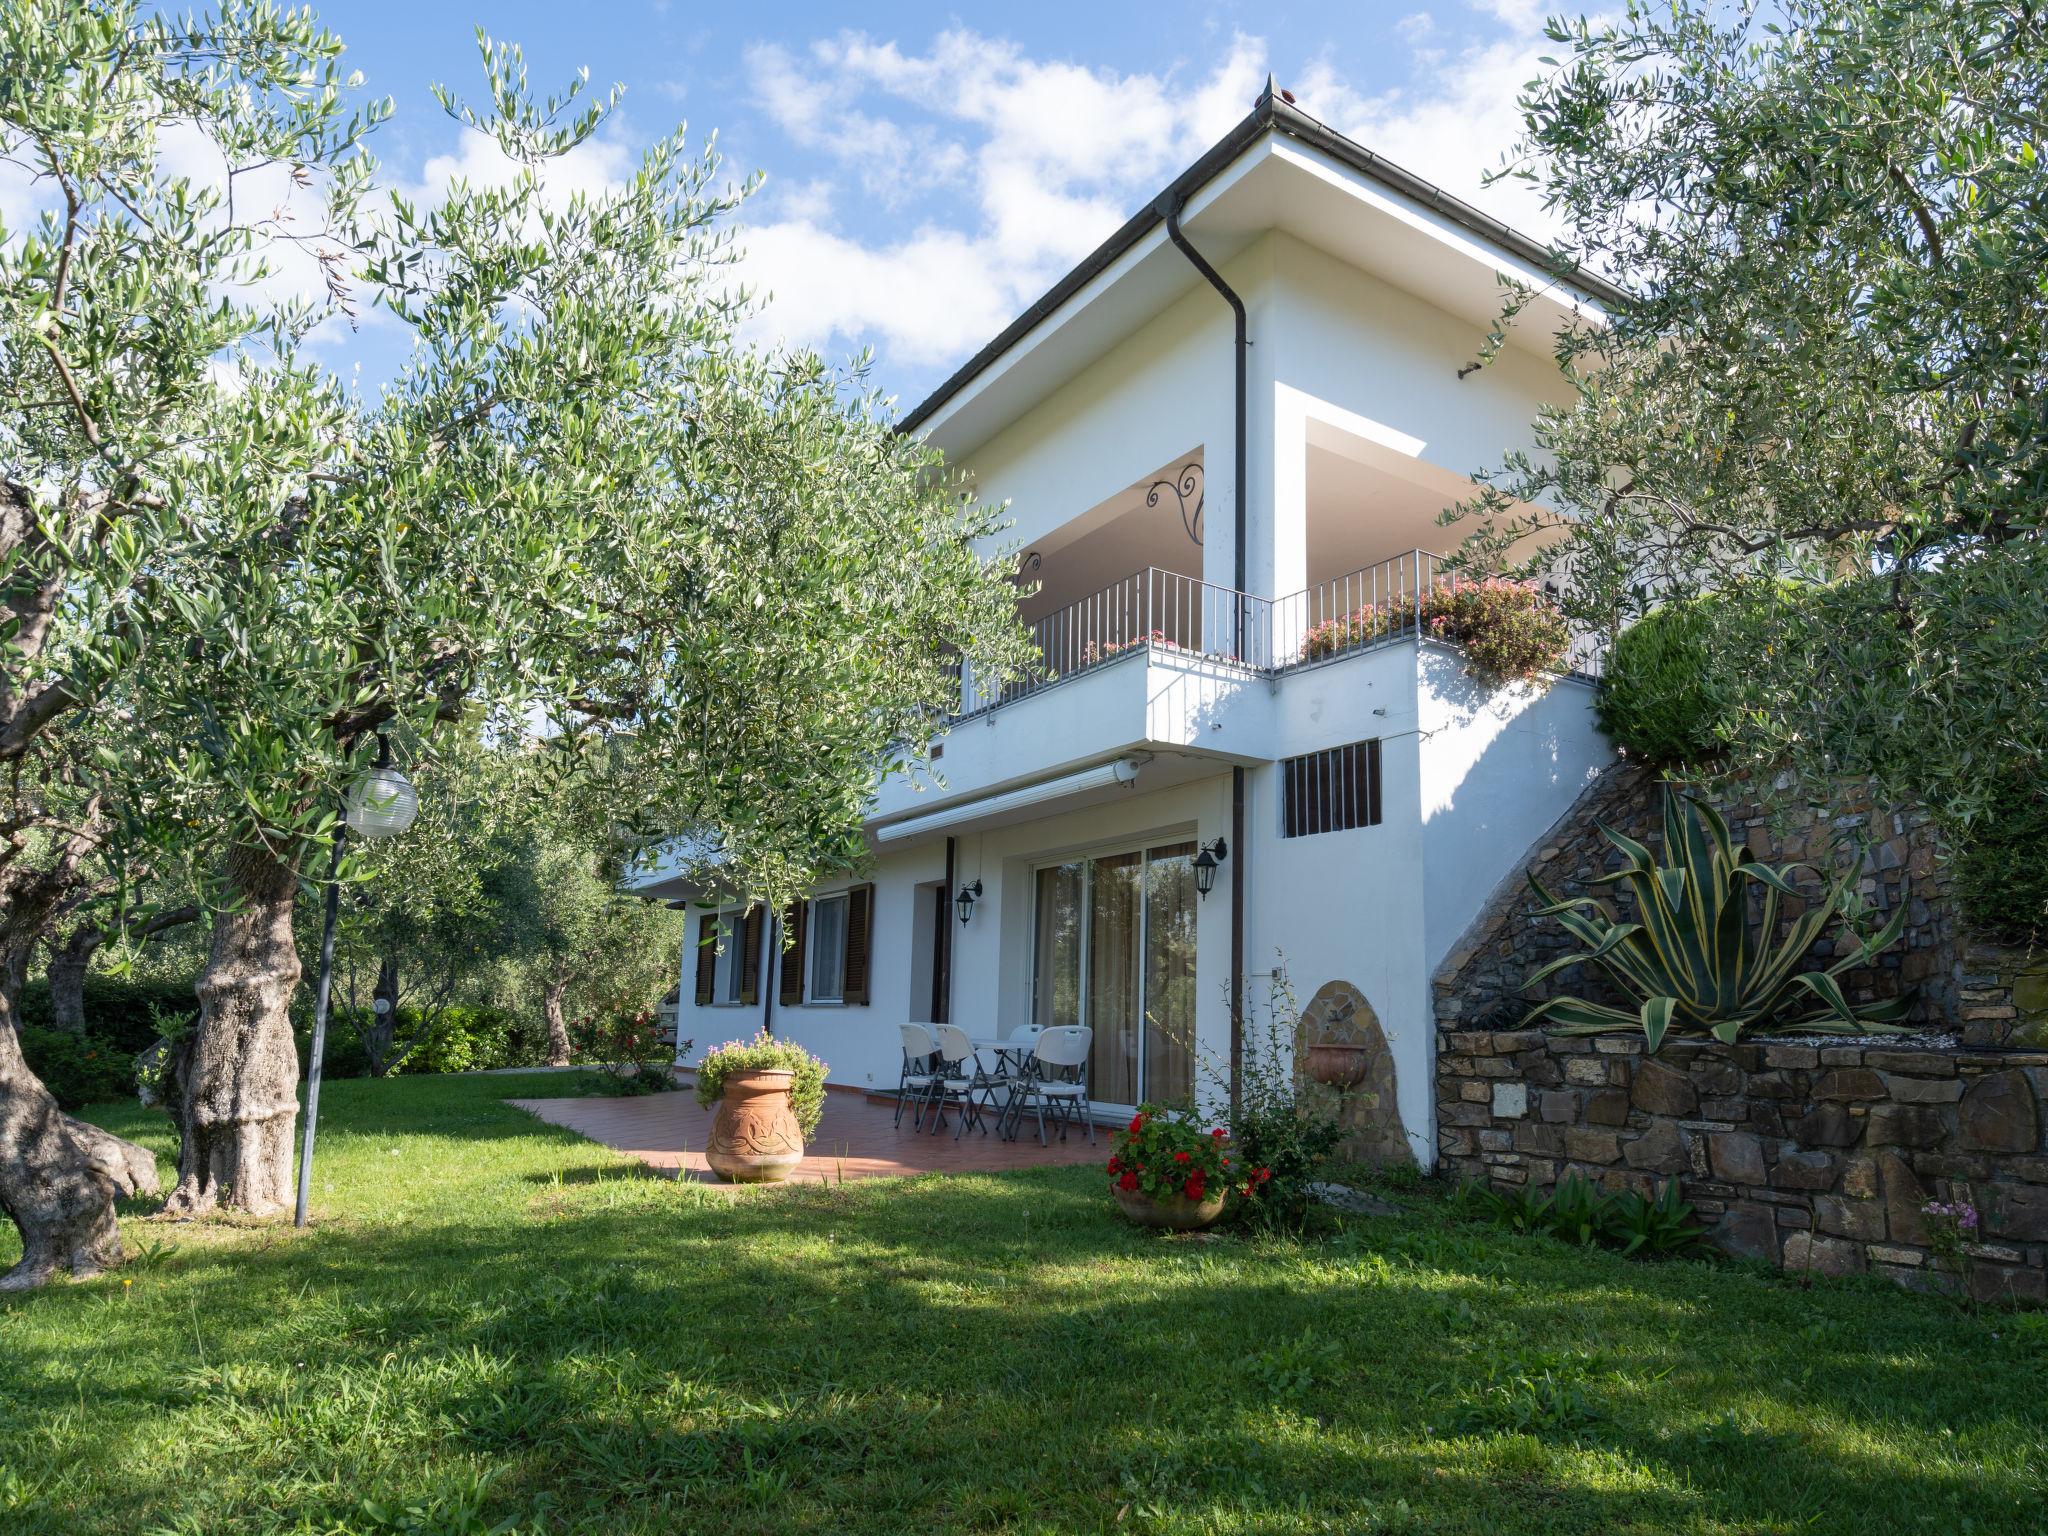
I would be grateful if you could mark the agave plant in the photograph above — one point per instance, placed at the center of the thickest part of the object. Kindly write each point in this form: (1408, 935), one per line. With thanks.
(1695, 958)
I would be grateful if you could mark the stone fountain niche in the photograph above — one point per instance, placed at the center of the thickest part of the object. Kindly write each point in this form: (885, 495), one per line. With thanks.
(1369, 1112)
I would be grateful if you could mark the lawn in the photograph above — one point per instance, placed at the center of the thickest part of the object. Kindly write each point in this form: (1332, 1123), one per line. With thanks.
(495, 1324)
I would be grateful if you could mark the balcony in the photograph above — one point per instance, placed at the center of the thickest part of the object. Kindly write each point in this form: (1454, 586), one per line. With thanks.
(1187, 620)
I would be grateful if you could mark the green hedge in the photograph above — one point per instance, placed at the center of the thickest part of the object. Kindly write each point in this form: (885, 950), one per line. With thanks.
(79, 1069)
(470, 1039)
(1659, 699)
(116, 1011)
(2000, 865)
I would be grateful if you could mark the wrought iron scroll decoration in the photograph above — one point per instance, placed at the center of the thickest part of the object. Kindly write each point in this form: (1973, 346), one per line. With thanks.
(1186, 486)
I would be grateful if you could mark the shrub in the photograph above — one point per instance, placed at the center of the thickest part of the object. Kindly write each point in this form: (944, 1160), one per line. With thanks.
(1509, 631)
(1355, 628)
(1165, 1155)
(1272, 1125)
(765, 1053)
(122, 1013)
(2000, 864)
(629, 1047)
(466, 1038)
(1574, 1211)
(79, 1069)
(1660, 700)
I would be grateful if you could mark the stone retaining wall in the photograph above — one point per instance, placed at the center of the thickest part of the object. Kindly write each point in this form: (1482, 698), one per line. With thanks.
(1479, 983)
(1812, 1156)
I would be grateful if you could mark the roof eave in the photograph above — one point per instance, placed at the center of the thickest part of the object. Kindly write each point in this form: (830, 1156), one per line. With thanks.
(1268, 114)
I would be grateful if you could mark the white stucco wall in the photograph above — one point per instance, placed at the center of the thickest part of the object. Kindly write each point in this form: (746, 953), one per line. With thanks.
(1468, 781)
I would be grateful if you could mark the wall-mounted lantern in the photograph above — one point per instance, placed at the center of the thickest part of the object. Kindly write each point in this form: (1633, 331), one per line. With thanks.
(1207, 861)
(964, 902)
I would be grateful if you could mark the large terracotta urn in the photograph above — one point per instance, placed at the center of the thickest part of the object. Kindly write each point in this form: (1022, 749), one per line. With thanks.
(1175, 1213)
(754, 1135)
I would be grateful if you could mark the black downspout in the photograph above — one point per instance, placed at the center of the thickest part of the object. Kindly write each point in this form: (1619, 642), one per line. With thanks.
(945, 956)
(767, 975)
(1170, 206)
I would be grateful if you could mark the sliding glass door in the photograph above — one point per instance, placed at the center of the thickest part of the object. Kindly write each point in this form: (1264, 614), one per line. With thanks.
(1115, 950)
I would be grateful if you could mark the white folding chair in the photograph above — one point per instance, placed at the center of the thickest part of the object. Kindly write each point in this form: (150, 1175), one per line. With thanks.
(960, 1078)
(920, 1053)
(1057, 1079)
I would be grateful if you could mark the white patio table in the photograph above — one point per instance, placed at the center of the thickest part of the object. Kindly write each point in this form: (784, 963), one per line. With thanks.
(1017, 1048)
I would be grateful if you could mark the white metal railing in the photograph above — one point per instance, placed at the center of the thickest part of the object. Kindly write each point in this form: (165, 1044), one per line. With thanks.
(1165, 611)
(1153, 609)
(1383, 602)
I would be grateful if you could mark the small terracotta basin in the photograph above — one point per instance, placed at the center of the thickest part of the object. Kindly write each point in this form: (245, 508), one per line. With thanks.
(1337, 1065)
(754, 1136)
(1178, 1214)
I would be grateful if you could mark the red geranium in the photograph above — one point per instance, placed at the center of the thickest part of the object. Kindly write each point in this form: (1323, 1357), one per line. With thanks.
(1168, 1156)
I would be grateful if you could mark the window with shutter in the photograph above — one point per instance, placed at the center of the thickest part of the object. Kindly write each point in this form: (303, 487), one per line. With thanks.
(707, 958)
(791, 991)
(750, 953)
(860, 926)
(859, 943)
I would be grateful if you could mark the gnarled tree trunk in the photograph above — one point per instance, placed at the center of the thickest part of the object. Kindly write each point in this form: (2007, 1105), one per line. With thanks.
(59, 1177)
(233, 1088)
(558, 1027)
(69, 962)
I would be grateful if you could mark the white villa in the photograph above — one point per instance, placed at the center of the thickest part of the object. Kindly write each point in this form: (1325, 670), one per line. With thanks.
(1237, 419)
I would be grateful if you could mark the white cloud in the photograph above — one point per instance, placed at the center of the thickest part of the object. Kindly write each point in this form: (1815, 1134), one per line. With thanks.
(596, 165)
(1003, 169)
(1049, 154)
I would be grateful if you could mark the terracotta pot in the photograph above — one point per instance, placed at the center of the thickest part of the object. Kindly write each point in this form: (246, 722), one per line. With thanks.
(754, 1137)
(1178, 1214)
(1337, 1065)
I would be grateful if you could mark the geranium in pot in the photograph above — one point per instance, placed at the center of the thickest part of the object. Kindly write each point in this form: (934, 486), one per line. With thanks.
(1169, 1172)
(770, 1094)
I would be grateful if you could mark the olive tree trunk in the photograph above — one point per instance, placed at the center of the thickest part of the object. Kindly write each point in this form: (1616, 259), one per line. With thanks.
(72, 960)
(69, 962)
(59, 1177)
(233, 1086)
(558, 1027)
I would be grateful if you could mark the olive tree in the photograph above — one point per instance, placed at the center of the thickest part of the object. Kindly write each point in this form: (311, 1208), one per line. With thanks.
(1823, 397)
(579, 502)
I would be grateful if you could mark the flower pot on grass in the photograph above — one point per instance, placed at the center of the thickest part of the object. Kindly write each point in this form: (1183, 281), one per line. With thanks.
(1171, 1173)
(1174, 1213)
(754, 1135)
(769, 1094)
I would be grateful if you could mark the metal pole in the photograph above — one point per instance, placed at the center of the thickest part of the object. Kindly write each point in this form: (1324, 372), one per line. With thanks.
(319, 1046)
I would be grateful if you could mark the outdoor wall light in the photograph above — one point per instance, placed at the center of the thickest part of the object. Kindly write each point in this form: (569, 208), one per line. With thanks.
(969, 895)
(1207, 861)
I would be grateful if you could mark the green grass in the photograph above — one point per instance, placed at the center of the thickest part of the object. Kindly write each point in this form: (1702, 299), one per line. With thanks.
(494, 1321)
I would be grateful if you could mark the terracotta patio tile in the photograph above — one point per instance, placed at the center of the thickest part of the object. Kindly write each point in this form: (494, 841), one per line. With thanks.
(854, 1139)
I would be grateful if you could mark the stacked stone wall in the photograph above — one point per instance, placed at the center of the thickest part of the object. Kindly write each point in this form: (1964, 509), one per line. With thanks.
(1812, 1156)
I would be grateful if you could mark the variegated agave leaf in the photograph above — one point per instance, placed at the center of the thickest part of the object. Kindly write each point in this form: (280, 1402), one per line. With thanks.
(1694, 958)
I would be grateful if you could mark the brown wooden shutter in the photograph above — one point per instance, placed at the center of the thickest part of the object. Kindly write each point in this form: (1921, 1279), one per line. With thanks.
(750, 952)
(791, 992)
(860, 932)
(707, 957)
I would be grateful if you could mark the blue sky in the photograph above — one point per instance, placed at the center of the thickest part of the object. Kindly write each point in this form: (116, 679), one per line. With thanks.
(931, 171)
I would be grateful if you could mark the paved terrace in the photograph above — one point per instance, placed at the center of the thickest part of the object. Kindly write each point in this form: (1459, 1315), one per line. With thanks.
(854, 1140)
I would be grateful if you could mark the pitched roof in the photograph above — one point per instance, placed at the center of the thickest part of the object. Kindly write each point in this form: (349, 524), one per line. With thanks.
(1269, 114)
